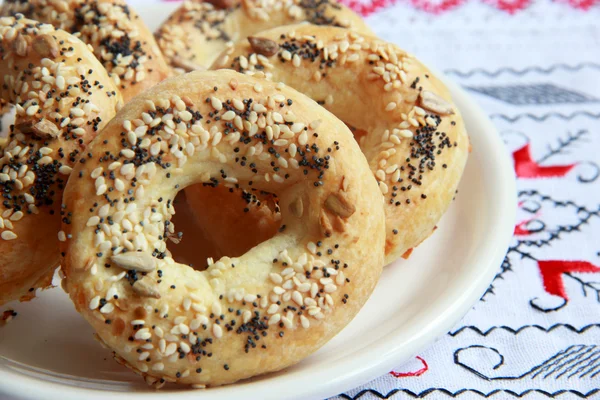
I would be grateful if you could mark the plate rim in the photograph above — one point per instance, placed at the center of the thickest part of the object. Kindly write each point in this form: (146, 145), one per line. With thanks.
(379, 357)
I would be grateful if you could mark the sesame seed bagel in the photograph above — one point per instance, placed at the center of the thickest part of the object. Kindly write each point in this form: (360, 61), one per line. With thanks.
(62, 96)
(406, 124)
(243, 316)
(119, 37)
(198, 31)
(192, 37)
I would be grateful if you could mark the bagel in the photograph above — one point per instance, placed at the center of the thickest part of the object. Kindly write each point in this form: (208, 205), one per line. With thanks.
(197, 32)
(407, 126)
(120, 39)
(63, 97)
(191, 38)
(243, 316)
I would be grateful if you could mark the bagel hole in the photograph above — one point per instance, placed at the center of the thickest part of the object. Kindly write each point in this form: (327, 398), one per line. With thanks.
(218, 221)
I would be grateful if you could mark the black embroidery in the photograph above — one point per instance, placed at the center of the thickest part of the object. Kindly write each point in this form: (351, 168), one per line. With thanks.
(543, 309)
(544, 117)
(563, 144)
(475, 329)
(581, 360)
(536, 200)
(504, 267)
(521, 72)
(425, 393)
(534, 94)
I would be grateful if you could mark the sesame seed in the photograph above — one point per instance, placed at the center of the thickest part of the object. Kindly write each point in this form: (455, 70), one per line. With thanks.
(296, 60)
(93, 221)
(94, 303)
(108, 308)
(185, 115)
(228, 116)
(158, 367)
(217, 331)
(304, 322)
(77, 112)
(45, 160)
(127, 153)
(16, 216)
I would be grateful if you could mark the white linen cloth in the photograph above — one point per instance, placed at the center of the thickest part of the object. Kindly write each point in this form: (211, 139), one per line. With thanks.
(534, 66)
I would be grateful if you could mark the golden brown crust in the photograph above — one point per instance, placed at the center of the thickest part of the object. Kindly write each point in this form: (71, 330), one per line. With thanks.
(197, 32)
(59, 109)
(119, 37)
(415, 140)
(243, 316)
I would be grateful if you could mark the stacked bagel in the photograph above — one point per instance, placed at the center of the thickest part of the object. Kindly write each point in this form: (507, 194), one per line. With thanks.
(311, 153)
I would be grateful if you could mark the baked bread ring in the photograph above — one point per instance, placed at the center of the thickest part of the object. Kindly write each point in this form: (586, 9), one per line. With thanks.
(193, 36)
(243, 316)
(120, 39)
(412, 135)
(198, 31)
(63, 97)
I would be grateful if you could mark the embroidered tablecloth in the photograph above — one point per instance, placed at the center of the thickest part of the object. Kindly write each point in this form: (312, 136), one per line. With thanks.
(534, 66)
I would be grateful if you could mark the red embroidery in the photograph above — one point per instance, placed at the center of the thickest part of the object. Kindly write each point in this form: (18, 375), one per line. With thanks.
(521, 229)
(584, 5)
(366, 8)
(526, 167)
(551, 272)
(510, 6)
(418, 372)
(433, 7)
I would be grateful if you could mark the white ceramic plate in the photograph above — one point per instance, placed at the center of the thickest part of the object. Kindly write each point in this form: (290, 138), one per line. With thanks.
(48, 350)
